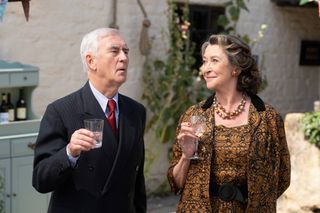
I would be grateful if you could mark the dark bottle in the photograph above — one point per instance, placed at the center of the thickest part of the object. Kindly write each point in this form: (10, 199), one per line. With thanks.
(21, 107)
(4, 115)
(10, 108)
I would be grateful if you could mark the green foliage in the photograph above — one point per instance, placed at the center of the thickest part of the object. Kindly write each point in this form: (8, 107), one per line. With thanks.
(229, 22)
(303, 2)
(232, 12)
(311, 127)
(230, 19)
(171, 85)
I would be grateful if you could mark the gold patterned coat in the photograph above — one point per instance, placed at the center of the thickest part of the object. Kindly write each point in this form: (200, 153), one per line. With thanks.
(268, 161)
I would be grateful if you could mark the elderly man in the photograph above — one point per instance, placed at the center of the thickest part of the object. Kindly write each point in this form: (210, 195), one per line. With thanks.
(83, 178)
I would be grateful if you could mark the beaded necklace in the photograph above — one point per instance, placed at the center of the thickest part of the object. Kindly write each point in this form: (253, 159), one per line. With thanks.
(224, 114)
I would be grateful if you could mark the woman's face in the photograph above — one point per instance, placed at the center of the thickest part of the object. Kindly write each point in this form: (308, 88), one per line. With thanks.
(216, 69)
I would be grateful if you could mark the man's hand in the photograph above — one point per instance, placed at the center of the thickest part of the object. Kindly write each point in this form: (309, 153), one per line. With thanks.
(81, 140)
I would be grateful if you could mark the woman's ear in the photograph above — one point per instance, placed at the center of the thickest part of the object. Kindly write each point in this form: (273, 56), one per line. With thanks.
(236, 72)
(91, 62)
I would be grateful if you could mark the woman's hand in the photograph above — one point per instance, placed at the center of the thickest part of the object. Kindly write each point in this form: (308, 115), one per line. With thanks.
(186, 138)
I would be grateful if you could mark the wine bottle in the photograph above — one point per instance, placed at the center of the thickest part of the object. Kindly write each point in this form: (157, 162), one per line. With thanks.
(21, 107)
(10, 108)
(4, 115)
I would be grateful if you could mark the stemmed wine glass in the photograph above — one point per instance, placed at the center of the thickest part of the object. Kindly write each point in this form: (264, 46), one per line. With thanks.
(198, 122)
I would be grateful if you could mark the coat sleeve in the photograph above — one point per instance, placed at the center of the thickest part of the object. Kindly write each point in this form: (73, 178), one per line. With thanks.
(51, 165)
(140, 189)
(285, 167)
(176, 155)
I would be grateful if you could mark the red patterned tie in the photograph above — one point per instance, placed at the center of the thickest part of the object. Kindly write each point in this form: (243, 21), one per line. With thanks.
(112, 115)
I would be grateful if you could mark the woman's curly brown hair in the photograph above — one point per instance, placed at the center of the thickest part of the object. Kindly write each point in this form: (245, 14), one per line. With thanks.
(239, 55)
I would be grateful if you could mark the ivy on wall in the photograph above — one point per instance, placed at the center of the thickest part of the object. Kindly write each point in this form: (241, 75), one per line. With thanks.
(171, 85)
(229, 22)
(303, 2)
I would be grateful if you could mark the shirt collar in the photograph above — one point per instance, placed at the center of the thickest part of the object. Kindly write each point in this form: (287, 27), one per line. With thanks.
(103, 100)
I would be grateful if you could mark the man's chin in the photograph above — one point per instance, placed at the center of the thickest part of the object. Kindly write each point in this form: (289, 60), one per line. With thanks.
(121, 79)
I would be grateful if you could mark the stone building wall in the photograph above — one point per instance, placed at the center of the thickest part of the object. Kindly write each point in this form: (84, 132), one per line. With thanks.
(53, 34)
(51, 40)
(303, 193)
(292, 88)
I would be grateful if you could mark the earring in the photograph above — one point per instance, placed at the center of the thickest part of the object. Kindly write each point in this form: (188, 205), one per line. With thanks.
(234, 73)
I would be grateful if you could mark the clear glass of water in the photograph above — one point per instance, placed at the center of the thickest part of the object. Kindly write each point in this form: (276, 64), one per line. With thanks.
(198, 123)
(95, 126)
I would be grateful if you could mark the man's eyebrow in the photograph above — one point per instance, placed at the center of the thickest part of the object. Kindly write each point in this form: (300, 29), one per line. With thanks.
(114, 47)
(117, 47)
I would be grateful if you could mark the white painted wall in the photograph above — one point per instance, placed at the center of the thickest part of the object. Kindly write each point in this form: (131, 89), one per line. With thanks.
(51, 40)
(292, 88)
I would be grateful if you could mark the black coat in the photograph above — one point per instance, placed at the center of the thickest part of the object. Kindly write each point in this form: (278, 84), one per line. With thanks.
(107, 179)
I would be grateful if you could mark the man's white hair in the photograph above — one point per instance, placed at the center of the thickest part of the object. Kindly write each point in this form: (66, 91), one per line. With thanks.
(90, 43)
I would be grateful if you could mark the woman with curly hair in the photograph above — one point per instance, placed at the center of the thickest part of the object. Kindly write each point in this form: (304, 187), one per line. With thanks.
(244, 163)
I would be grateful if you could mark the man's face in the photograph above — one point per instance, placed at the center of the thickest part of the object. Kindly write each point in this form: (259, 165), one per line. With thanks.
(112, 60)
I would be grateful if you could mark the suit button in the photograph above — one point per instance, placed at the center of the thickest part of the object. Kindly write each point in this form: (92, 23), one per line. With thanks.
(91, 168)
(137, 168)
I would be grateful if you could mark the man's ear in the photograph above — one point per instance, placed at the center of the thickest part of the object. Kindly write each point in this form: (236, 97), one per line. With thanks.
(91, 62)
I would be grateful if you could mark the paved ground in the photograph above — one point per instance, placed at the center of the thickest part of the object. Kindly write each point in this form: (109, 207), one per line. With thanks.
(162, 204)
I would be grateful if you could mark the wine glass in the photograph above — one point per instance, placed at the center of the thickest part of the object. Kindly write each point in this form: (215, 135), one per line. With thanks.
(198, 123)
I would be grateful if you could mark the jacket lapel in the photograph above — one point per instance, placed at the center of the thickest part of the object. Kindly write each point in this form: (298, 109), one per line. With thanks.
(126, 140)
(92, 109)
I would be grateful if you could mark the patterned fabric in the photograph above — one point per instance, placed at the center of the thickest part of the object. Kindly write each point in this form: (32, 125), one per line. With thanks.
(229, 161)
(267, 166)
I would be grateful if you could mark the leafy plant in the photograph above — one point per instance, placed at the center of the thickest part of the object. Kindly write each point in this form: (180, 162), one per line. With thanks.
(171, 85)
(311, 127)
(232, 13)
(303, 2)
(229, 22)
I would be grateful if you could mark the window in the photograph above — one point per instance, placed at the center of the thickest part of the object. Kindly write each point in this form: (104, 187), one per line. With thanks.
(203, 19)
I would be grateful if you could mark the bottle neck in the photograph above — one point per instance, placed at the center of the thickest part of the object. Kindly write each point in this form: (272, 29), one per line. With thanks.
(9, 98)
(21, 94)
(4, 99)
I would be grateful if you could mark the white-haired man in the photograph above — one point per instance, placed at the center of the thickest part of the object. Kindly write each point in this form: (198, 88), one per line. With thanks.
(83, 178)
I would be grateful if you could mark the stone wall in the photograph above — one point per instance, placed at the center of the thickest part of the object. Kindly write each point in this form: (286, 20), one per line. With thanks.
(51, 40)
(303, 193)
(292, 88)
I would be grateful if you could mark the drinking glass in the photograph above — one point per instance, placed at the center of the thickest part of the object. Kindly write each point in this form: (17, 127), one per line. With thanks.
(198, 123)
(95, 126)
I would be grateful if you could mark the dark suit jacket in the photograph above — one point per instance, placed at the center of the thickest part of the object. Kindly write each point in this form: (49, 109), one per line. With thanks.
(107, 179)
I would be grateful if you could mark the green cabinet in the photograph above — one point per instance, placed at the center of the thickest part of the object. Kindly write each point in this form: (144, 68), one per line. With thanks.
(24, 196)
(17, 142)
(14, 77)
(16, 173)
(15, 74)
(5, 189)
